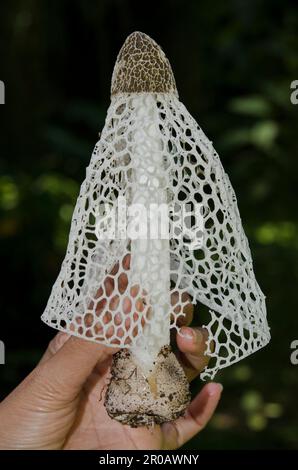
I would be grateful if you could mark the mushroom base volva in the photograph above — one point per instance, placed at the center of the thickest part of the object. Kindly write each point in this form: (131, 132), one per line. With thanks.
(137, 400)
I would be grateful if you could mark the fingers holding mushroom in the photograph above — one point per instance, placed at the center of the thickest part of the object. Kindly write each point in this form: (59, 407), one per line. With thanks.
(192, 344)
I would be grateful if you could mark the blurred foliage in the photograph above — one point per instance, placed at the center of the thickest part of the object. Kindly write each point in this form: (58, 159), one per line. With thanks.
(234, 63)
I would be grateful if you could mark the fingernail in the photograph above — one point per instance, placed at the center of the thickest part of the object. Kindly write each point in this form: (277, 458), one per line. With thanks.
(214, 388)
(187, 333)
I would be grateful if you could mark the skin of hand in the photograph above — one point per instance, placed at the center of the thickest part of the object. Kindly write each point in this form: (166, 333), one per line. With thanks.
(59, 405)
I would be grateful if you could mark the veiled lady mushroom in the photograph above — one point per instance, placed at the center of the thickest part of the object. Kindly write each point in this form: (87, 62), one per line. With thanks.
(117, 290)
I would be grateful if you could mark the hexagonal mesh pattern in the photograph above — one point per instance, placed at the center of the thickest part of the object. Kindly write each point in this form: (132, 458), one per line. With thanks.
(96, 295)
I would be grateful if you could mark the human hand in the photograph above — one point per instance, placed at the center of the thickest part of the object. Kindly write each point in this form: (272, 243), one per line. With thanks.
(60, 406)
(57, 406)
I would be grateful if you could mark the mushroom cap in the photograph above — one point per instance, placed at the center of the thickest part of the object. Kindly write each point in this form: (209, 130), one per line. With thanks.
(142, 66)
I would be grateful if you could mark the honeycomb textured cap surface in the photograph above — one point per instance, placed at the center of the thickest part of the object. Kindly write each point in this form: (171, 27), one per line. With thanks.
(142, 66)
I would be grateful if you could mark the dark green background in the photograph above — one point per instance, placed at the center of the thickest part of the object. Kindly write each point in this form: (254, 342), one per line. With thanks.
(234, 62)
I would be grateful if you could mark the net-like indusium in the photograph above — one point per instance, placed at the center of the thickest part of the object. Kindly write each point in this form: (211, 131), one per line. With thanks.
(120, 291)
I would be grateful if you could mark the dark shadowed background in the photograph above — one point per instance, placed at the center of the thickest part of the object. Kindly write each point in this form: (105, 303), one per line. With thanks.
(234, 62)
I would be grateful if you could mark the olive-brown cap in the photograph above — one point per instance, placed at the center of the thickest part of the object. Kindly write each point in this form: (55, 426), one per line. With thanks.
(142, 66)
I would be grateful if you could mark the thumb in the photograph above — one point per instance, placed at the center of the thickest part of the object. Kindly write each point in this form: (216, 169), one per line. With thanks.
(68, 369)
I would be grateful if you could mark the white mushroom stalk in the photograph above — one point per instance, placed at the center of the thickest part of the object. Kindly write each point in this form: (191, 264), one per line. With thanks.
(150, 257)
(127, 291)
